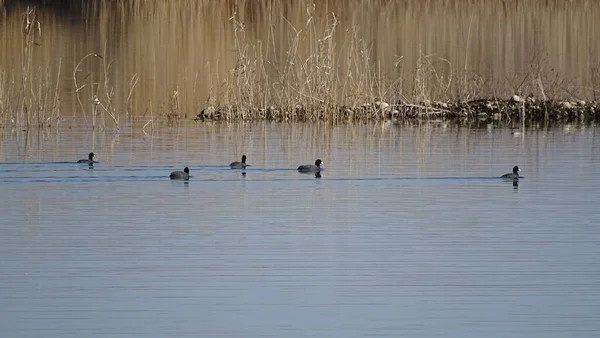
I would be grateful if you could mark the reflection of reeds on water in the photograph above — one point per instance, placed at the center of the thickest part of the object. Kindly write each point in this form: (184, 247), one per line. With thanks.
(299, 60)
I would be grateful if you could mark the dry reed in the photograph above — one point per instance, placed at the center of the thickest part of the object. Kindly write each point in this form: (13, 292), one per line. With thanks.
(302, 60)
(319, 80)
(29, 96)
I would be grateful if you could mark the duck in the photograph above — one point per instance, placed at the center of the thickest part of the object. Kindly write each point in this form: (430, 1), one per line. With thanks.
(514, 174)
(180, 175)
(89, 160)
(238, 165)
(311, 168)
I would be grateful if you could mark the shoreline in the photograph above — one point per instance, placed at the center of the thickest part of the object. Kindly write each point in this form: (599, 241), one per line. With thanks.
(515, 109)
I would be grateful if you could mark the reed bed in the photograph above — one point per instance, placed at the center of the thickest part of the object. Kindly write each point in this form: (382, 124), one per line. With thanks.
(330, 60)
(30, 97)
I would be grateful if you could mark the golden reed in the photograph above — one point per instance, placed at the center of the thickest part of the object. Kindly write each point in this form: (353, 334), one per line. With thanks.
(109, 61)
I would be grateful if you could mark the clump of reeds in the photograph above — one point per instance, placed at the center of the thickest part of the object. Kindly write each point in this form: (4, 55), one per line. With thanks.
(319, 80)
(29, 96)
(322, 85)
(304, 84)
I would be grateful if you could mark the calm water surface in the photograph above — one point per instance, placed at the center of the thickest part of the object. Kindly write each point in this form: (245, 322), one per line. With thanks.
(409, 232)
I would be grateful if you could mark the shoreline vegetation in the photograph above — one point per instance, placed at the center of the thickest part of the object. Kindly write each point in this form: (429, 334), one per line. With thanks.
(501, 111)
(309, 66)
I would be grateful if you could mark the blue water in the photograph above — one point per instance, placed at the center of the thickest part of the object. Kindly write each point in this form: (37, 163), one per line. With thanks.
(409, 232)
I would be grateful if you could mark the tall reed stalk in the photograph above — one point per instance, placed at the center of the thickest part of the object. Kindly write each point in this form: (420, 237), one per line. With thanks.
(100, 93)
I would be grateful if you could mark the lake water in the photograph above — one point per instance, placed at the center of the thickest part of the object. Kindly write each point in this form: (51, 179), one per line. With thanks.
(409, 232)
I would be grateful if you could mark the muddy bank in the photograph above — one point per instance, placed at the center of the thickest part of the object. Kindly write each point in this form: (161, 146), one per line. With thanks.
(511, 110)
